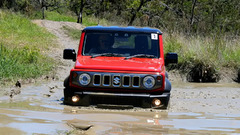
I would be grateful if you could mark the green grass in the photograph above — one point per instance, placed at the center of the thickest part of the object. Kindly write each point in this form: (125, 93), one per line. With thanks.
(54, 16)
(22, 63)
(73, 33)
(22, 48)
(18, 31)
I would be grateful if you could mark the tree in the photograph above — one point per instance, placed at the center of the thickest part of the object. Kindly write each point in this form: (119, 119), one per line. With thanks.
(135, 11)
(77, 7)
(45, 4)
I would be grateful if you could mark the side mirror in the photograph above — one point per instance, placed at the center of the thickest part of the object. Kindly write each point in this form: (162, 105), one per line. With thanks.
(69, 54)
(171, 58)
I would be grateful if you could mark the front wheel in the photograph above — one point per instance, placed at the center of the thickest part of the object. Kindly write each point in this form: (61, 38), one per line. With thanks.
(68, 93)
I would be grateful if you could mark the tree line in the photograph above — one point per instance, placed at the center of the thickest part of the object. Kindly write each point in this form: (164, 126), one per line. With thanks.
(187, 16)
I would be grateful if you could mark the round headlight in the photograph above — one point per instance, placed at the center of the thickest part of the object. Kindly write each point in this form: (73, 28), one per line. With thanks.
(148, 82)
(84, 79)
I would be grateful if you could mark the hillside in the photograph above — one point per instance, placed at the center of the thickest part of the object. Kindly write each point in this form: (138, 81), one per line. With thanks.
(23, 48)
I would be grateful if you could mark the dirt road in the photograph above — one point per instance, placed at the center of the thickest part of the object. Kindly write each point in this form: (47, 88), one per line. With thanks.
(38, 109)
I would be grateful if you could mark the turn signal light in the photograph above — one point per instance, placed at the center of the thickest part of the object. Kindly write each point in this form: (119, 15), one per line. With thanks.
(74, 75)
(159, 78)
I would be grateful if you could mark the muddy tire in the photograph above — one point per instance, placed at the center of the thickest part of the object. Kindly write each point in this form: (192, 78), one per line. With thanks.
(68, 93)
(166, 103)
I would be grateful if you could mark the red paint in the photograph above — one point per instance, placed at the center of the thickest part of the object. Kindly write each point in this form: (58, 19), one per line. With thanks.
(119, 64)
(161, 47)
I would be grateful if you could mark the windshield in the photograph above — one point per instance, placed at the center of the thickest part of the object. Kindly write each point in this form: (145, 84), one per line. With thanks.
(121, 44)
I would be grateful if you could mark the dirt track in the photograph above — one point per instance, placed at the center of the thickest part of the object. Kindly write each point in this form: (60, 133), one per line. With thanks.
(194, 107)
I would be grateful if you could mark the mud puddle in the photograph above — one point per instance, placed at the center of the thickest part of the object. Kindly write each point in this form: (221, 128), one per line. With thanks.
(108, 122)
(194, 108)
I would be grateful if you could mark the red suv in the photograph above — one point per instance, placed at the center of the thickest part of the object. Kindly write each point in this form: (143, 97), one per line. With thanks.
(119, 66)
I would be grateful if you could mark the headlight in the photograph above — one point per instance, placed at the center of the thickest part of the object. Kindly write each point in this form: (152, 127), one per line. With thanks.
(148, 82)
(84, 79)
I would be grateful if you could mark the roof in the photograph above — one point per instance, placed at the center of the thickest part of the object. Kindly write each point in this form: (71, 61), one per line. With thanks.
(123, 29)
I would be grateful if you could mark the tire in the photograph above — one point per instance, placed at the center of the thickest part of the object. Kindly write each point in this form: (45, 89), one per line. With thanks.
(166, 103)
(68, 93)
(168, 88)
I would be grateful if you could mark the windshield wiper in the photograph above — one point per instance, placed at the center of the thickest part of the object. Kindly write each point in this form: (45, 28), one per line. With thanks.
(140, 56)
(106, 54)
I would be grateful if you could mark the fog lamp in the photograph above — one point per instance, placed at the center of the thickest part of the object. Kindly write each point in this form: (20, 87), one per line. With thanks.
(156, 102)
(75, 98)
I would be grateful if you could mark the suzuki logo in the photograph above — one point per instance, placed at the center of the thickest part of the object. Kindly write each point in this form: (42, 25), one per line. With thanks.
(116, 80)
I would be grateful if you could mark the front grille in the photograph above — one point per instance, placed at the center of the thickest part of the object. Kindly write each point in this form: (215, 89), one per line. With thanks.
(116, 80)
(107, 80)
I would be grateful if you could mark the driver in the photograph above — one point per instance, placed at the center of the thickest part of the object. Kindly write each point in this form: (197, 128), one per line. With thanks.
(104, 44)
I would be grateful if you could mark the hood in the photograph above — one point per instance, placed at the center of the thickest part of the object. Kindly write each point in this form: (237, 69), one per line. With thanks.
(119, 64)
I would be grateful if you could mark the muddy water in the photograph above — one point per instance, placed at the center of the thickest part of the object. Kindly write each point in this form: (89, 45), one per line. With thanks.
(194, 108)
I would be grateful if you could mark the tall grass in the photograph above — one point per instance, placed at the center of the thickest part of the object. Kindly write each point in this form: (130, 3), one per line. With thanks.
(215, 51)
(22, 47)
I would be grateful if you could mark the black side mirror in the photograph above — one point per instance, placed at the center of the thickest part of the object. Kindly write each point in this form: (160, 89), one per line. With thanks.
(69, 54)
(171, 58)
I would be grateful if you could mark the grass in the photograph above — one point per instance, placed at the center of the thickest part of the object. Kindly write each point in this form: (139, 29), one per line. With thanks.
(22, 47)
(54, 16)
(67, 17)
(212, 51)
(73, 33)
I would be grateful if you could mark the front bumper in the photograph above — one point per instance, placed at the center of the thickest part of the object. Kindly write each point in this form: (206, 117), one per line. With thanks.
(136, 100)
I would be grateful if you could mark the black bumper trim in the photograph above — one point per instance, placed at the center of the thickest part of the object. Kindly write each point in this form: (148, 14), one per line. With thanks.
(164, 95)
